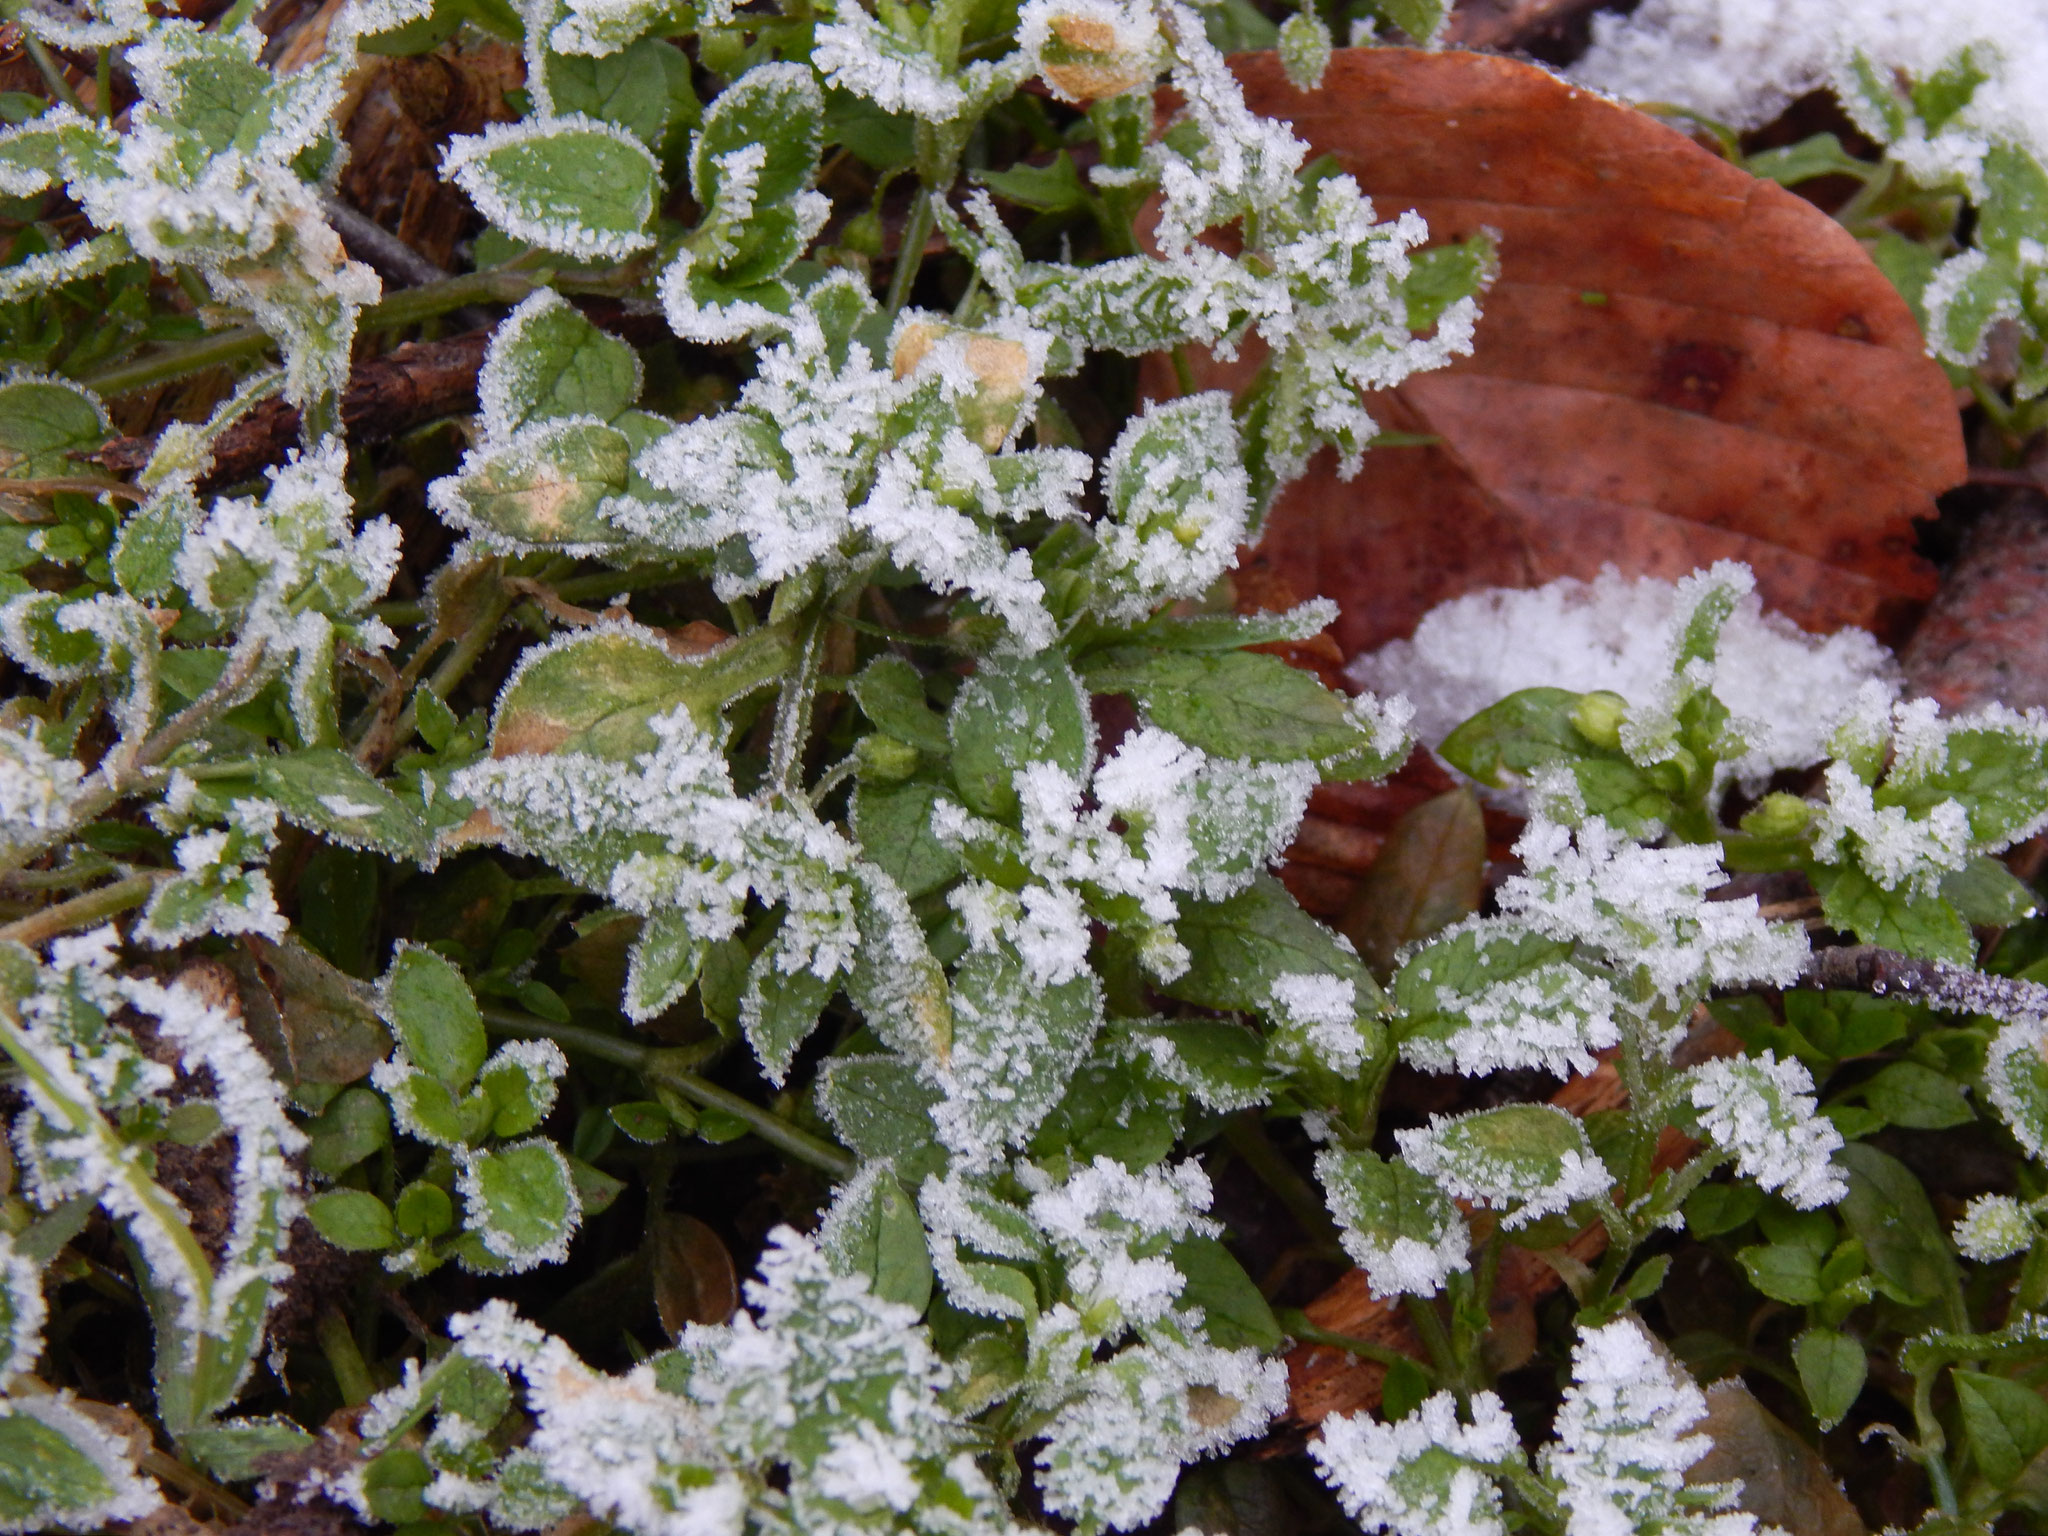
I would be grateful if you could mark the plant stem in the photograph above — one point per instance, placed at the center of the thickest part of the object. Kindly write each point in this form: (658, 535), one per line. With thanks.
(667, 1068)
(53, 74)
(1435, 1337)
(407, 307)
(345, 1359)
(1296, 1323)
(83, 911)
(910, 253)
(232, 346)
(1245, 1135)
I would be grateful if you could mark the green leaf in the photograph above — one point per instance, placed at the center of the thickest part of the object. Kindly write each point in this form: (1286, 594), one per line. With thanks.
(1997, 773)
(1918, 1097)
(894, 825)
(1220, 1063)
(327, 791)
(1234, 1314)
(1887, 1209)
(47, 1478)
(1832, 1367)
(1784, 1272)
(1013, 712)
(1234, 704)
(43, 422)
(777, 107)
(1820, 154)
(353, 1219)
(596, 692)
(881, 1108)
(349, 1129)
(2007, 1423)
(1514, 1153)
(570, 185)
(545, 487)
(1240, 946)
(880, 1238)
(1989, 894)
(1016, 1045)
(1506, 742)
(890, 692)
(665, 961)
(644, 1120)
(1926, 927)
(1114, 1110)
(632, 87)
(522, 1201)
(1420, 19)
(424, 1210)
(1055, 188)
(780, 1008)
(1713, 1209)
(1840, 1026)
(1388, 1210)
(233, 1451)
(548, 361)
(429, 1006)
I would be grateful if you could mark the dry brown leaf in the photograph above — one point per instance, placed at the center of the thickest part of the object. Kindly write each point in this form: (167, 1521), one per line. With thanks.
(1785, 1482)
(694, 1281)
(1679, 363)
(1430, 872)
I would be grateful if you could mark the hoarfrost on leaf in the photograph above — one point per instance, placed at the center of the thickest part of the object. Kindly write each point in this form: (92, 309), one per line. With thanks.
(1762, 1112)
(1423, 1475)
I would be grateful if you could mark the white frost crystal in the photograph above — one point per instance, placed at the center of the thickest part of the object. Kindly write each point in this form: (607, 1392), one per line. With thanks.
(1612, 634)
(1622, 1451)
(1543, 1166)
(1762, 1110)
(1423, 1475)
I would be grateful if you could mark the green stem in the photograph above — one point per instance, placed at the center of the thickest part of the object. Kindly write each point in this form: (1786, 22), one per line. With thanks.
(83, 911)
(103, 85)
(53, 74)
(407, 307)
(910, 253)
(345, 1359)
(667, 1068)
(1297, 1325)
(162, 367)
(1933, 1443)
(572, 589)
(1245, 1135)
(2032, 1290)
(793, 707)
(1435, 1337)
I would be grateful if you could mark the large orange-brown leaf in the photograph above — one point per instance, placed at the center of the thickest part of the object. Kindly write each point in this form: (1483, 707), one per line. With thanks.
(1679, 363)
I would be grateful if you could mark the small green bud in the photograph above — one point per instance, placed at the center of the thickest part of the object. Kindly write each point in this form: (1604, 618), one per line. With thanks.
(722, 50)
(1304, 50)
(882, 759)
(1676, 774)
(863, 233)
(1778, 816)
(1598, 718)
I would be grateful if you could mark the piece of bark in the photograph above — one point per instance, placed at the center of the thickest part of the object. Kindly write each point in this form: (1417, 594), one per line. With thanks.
(1985, 637)
(407, 387)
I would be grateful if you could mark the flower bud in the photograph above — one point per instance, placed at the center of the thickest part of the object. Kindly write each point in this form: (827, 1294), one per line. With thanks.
(1778, 815)
(885, 760)
(1598, 717)
(1304, 50)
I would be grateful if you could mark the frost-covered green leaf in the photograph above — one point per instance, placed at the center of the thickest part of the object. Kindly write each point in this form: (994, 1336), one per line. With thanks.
(570, 184)
(1530, 1160)
(1397, 1225)
(522, 1202)
(59, 1469)
(1762, 1112)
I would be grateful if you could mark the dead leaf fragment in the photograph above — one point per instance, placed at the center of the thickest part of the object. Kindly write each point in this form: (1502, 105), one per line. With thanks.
(1678, 364)
(694, 1280)
(1785, 1483)
(1431, 871)
(315, 1024)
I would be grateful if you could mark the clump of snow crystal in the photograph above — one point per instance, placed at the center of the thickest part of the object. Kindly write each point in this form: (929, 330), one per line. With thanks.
(1785, 688)
(1744, 61)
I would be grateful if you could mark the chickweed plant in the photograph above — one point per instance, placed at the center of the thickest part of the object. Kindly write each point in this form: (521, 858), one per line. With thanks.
(907, 810)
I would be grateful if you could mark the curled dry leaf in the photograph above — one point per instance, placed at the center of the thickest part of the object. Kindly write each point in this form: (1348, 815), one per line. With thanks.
(1678, 364)
(694, 1281)
(1785, 1483)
